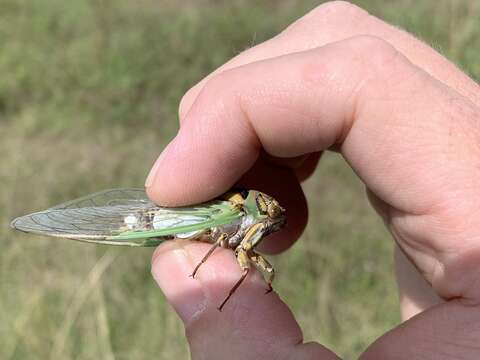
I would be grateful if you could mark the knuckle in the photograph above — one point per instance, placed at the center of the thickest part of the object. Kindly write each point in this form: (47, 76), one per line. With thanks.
(333, 14)
(375, 52)
(372, 45)
(367, 56)
(338, 9)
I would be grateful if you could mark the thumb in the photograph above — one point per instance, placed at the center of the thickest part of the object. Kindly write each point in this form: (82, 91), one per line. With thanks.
(252, 325)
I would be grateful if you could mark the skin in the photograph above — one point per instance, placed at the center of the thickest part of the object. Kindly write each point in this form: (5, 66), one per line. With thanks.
(402, 116)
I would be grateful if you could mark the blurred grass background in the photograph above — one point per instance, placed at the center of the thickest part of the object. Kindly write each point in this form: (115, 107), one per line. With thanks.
(88, 98)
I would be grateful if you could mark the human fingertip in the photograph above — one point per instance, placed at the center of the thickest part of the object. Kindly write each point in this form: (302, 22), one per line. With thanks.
(151, 175)
(171, 269)
(169, 182)
(164, 157)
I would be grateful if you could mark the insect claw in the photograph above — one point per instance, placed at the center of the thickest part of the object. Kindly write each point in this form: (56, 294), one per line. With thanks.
(234, 288)
(220, 308)
(194, 272)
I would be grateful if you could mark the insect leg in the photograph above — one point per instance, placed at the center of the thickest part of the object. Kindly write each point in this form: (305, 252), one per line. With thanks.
(219, 242)
(265, 268)
(243, 253)
(242, 259)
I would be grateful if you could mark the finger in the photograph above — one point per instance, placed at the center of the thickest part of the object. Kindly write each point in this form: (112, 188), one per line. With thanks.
(444, 332)
(335, 21)
(416, 294)
(289, 106)
(365, 96)
(252, 325)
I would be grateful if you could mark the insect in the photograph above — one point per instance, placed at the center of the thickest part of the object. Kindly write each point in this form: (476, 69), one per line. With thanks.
(237, 220)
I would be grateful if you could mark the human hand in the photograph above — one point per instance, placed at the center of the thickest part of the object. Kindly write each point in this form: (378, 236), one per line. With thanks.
(403, 117)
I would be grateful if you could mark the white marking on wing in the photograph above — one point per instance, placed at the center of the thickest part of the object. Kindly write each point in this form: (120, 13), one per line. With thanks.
(131, 221)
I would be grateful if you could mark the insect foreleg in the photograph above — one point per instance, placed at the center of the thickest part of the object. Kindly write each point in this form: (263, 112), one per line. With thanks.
(242, 259)
(265, 268)
(219, 242)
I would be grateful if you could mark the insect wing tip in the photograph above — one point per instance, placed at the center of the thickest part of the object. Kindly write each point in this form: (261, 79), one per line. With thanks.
(13, 222)
(16, 223)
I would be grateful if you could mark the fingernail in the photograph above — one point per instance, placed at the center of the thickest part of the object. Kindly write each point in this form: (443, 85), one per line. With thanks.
(171, 269)
(153, 172)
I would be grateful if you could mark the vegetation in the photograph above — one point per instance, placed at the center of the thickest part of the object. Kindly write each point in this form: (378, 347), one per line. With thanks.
(88, 98)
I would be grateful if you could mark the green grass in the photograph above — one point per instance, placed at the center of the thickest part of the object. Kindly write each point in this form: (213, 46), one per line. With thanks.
(88, 97)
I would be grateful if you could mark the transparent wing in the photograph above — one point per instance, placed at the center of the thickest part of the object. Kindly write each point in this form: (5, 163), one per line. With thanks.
(111, 197)
(94, 217)
(124, 217)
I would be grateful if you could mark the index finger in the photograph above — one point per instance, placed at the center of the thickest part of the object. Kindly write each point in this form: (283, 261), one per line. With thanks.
(287, 106)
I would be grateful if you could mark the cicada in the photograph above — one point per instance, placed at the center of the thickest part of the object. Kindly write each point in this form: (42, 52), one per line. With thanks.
(237, 220)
